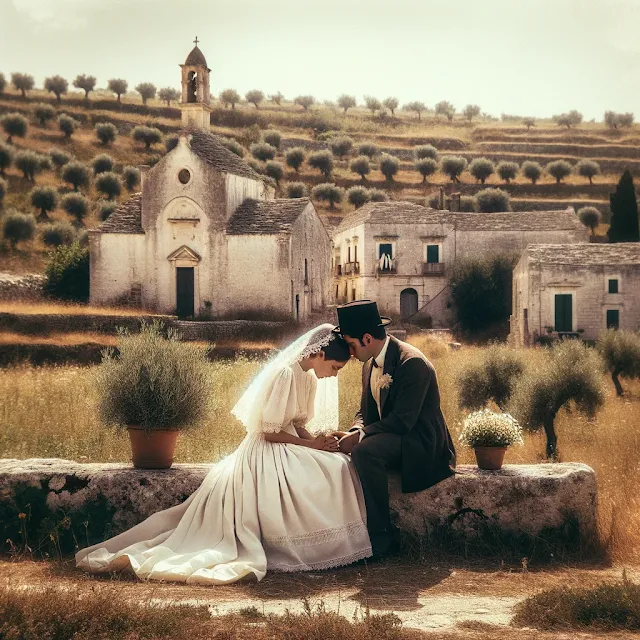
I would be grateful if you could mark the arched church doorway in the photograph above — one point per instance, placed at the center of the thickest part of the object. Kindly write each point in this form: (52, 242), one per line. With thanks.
(408, 303)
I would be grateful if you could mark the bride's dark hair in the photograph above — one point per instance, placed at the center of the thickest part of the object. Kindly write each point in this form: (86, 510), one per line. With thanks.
(337, 350)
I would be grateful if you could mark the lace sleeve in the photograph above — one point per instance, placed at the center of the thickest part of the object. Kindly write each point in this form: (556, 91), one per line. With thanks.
(280, 404)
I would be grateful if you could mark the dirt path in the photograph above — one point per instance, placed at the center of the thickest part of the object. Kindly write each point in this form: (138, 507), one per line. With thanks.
(447, 599)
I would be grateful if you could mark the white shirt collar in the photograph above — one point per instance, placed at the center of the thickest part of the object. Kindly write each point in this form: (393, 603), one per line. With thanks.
(381, 356)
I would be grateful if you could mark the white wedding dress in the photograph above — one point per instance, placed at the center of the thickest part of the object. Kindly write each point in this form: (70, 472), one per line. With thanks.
(266, 506)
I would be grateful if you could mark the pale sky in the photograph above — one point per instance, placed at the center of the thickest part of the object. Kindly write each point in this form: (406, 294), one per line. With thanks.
(521, 57)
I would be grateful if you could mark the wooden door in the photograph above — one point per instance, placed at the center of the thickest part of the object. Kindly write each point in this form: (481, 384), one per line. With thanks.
(408, 303)
(564, 312)
(184, 292)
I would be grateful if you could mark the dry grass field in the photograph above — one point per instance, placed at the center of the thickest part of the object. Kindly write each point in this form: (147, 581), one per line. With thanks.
(50, 412)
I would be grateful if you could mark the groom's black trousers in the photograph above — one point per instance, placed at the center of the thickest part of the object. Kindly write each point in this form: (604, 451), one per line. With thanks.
(373, 458)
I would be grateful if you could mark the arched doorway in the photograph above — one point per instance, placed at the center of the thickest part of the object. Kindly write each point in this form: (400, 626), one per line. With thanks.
(408, 303)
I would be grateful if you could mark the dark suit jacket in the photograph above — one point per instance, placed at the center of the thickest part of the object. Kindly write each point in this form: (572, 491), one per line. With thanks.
(411, 409)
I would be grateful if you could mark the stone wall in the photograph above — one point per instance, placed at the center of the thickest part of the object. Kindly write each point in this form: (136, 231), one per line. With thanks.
(24, 287)
(521, 503)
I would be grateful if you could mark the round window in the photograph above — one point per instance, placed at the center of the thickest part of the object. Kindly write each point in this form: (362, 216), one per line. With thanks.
(184, 176)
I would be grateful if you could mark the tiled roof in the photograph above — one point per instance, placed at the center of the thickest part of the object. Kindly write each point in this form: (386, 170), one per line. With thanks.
(409, 213)
(266, 216)
(621, 253)
(127, 218)
(209, 148)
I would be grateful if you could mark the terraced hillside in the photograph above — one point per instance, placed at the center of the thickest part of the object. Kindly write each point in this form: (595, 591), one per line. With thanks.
(613, 150)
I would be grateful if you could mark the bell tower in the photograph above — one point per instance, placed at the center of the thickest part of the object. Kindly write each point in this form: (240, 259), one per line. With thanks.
(196, 95)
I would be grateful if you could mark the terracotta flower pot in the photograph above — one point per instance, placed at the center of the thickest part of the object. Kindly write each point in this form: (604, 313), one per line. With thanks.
(152, 450)
(490, 458)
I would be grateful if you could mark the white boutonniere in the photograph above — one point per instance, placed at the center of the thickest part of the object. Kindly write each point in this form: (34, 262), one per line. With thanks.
(385, 381)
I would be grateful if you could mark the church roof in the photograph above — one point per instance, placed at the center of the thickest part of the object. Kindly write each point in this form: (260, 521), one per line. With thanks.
(399, 212)
(209, 148)
(622, 253)
(266, 216)
(127, 218)
(196, 57)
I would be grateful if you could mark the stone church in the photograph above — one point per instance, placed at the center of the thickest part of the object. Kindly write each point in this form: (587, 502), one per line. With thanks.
(206, 236)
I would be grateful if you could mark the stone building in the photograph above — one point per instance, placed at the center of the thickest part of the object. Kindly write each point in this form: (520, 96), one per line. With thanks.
(399, 253)
(195, 102)
(579, 289)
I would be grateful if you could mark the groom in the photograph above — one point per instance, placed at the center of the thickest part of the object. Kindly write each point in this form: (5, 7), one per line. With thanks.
(399, 424)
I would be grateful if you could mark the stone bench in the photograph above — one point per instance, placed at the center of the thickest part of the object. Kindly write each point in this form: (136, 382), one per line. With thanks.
(72, 504)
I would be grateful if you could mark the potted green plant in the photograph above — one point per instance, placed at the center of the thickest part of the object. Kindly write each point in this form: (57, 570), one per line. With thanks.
(490, 433)
(155, 387)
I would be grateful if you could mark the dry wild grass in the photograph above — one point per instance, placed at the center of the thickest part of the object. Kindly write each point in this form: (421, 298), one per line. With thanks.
(60, 339)
(35, 308)
(61, 402)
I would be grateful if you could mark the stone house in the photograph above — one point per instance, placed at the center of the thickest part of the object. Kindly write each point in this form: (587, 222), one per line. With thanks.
(400, 254)
(579, 289)
(206, 236)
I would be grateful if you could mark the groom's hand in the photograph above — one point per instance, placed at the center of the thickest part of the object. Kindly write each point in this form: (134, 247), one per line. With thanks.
(349, 441)
(339, 434)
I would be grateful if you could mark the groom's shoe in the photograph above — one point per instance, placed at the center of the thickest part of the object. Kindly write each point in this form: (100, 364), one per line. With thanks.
(389, 551)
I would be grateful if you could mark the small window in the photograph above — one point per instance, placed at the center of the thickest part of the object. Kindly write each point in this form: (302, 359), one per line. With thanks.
(613, 285)
(184, 175)
(348, 254)
(306, 272)
(613, 319)
(433, 253)
(385, 249)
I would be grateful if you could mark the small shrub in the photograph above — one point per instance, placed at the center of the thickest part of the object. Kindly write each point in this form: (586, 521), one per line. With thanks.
(389, 166)
(620, 351)
(14, 124)
(6, 158)
(294, 158)
(588, 169)
(328, 192)
(131, 177)
(102, 164)
(453, 166)
(425, 151)
(44, 113)
(361, 166)
(508, 171)
(378, 195)
(296, 190)
(368, 149)
(485, 428)
(493, 201)
(109, 184)
(147, 135)
(559, 169)
(590, 217)
(59, 158)
(57, 234)
(106, 208)
(263, 151)
(531, 171)
(272, 137)
(322, 161)
(341, 146)
(67, 125)
(468, 204)
(358, 196)
(147, 91)
(18, 227)
(67, 273)
(76, 205)
(256, 165)
(106, 132)
(76, 174)
(274, 170)
(426, 167)
(29, 163)
(44, 199)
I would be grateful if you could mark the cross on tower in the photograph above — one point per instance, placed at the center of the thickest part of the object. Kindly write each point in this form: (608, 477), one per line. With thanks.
(196, 41)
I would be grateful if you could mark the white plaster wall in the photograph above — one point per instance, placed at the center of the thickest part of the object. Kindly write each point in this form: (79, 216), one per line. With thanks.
(238, 189)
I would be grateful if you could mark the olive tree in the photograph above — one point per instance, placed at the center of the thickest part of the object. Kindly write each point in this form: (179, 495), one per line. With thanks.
(346, 102)
(559, 169)
(590, 217)
(14, 124)
(294, 158)
(105, 208)
(389, 166)
(588, 169)
(322, 161)
(425, 151)
(306, 102)
(59, 233)
(76, 205)
(59, 157)
(508, 171)
(44, 199)
(6, 158)
(17, 227)
(167, 94)
(481, 169)
(44, 113)
(118, 86)
(106, 132)
(391, 104)
(341, 146)
(23, 82)
(531, 171)
(569, 376)
(147, 135)
(131, 177)
(57, 85)
(620, 351)
(147, 91)
(378, 195)
(255, 97)
(328, 192)
(529, 122)
(230, 97)
(102, 163)
(491, 376)
(373, 104)
(272, 137)
(453, 166)
(67, 125)
(415, 107)
(276, 98)
(76, 174)
(274, 170)
(426, 167)
(296, 190)
(571, 119)
(263, 151)
(368, 149)
(445, 108)
(358, 196)
(361, 166)
(471, 111)
(86, 83)
(493, 201)
(29, 163)
(614, 120)
(109, 184)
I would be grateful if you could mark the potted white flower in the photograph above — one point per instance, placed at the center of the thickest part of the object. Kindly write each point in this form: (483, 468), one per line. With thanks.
(490, 433)
(156, 387)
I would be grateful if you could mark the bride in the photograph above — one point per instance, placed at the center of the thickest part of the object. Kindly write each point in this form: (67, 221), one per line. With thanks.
(284, 500)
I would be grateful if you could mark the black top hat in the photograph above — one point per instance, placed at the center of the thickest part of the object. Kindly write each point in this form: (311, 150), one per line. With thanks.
(359, 317)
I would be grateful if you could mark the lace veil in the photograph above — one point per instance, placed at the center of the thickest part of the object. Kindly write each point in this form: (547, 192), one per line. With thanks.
(248, 409)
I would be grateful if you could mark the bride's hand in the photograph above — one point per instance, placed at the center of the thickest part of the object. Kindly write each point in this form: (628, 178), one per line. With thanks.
(325, 443)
